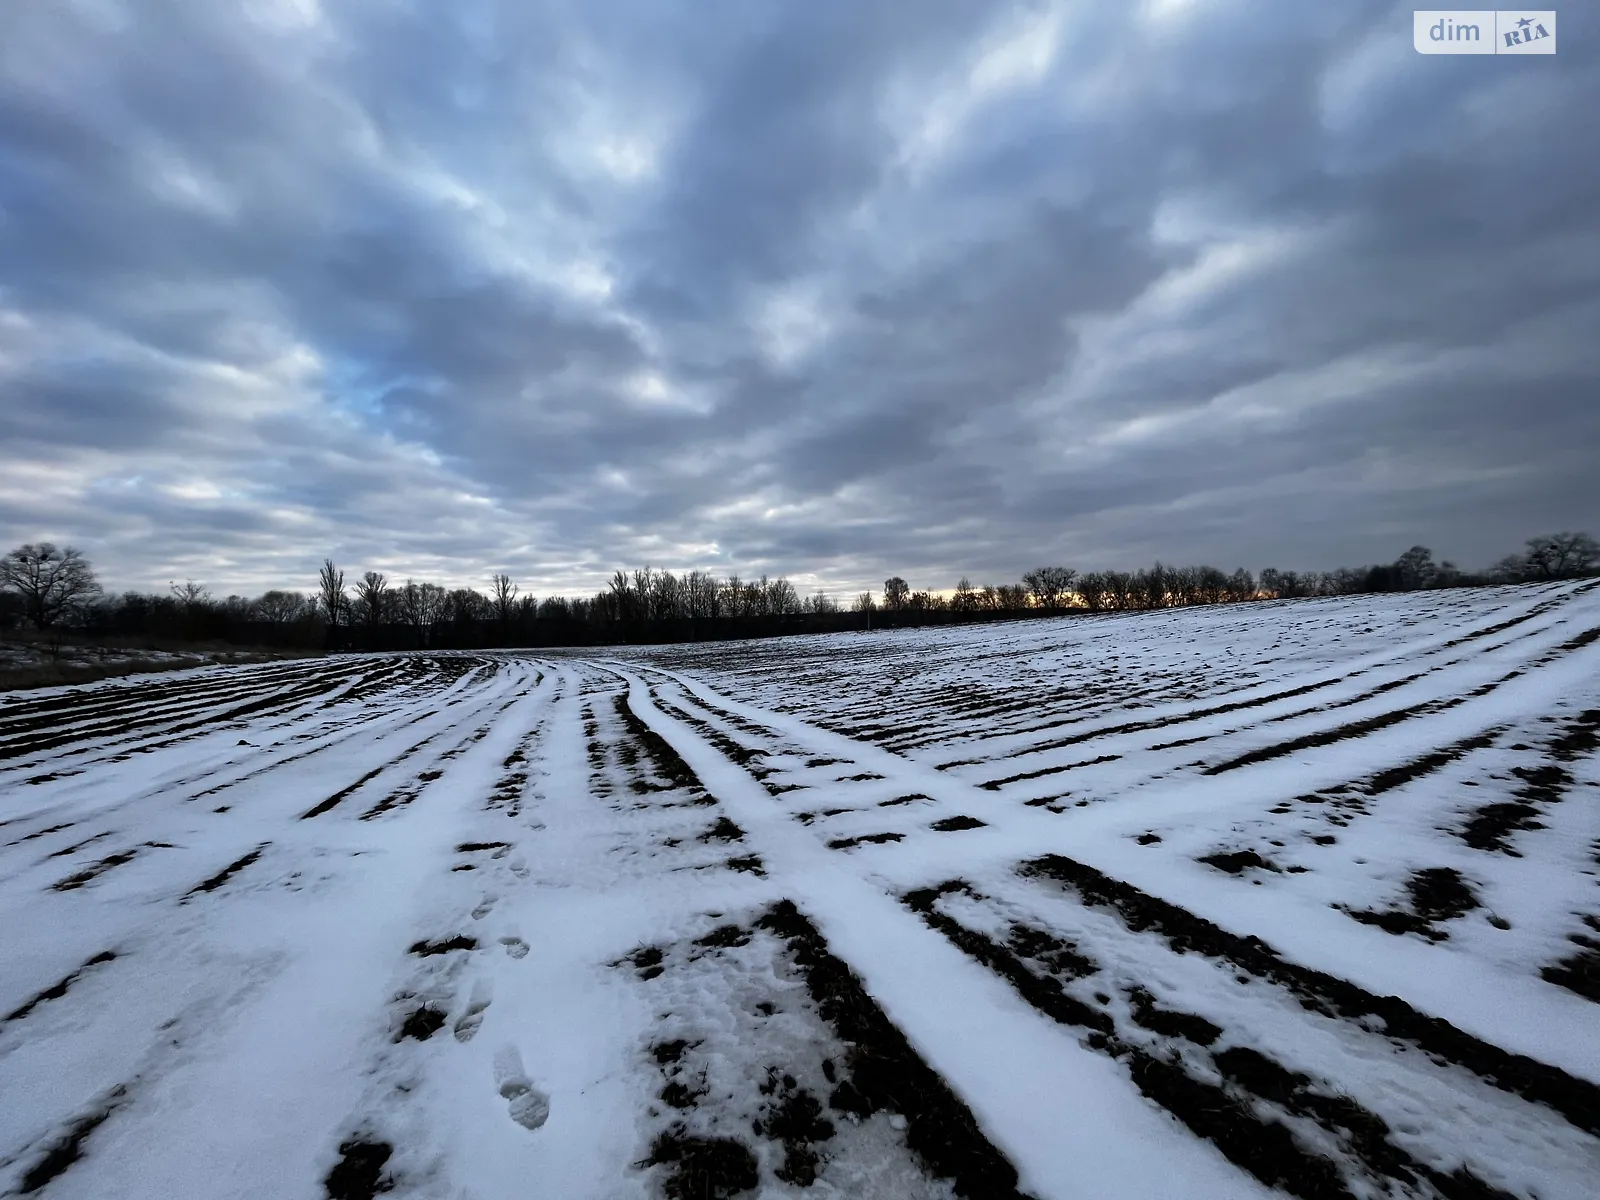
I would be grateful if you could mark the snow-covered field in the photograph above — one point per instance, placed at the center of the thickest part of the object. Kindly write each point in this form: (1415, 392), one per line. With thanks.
(1200, 903)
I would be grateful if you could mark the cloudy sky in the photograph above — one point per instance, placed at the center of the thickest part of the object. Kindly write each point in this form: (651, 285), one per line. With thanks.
(831, 289)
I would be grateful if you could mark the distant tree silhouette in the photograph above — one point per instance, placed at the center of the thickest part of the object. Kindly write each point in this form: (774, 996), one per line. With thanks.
(1415, 569)
(503, 596)
(280, 608)
(372, 603)
(652, 605)
(52, 584)
(1049, 585)
(422, 606)
(330, 593)
(1561, 555)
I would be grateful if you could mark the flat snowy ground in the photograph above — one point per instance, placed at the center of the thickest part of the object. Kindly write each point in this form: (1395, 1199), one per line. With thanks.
(1202, 903)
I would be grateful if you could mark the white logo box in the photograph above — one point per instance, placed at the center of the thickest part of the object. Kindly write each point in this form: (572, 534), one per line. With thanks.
(1484, 30)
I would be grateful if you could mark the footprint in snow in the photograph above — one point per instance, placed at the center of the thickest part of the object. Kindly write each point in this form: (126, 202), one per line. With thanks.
(519, 868)
(484, 906)
(526, 1104)
(466, 1026)
(515, 947)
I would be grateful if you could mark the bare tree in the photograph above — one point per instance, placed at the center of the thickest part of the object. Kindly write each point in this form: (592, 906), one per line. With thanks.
(372, 599)
(1185, 584)
(782, 599)
(701, 594)
(330, 593)
(821, 602)
(422, 606)
(1119, 584)
(1011, 597)
(643, 582)
(280, 608)
(1049, 585)
(1513, 568)
(733, 596)
(1150, 587)
(667, 596)
(1415, 568)
(503, 597)
(555, 608)
(756, 596)
(190, 594)
(895, 593)
(622, 597)
(52, 584)
(1561, 555)
(464, 606)
(1094, 589)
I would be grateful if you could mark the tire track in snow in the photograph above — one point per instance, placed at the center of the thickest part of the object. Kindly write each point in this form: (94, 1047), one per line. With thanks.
(937, 999)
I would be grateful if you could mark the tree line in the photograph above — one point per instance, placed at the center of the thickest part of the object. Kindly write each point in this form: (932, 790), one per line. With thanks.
(55, 592)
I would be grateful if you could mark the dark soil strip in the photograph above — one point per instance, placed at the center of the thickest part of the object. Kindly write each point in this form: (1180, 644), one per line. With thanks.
(68, 1148)
(1368, 1133)
(340, 795)
(794, 1119)
(76, 846)
(994, 785)
(398, 798)
(1491, 827)
(1579, 973)
(1235, 862)
(1164, 722)
(1043, 992)
(421, 1024)
(1576, 1099)
(730, 749)
(955, 824)
(1386, 781)
(358, 1175)
(1435, 894)
(668, 763)
(887, 1074)
(875, 838)
(723, 830)
(1535, 611)
(1264, 1147)
(227, 872)
(275, 702)
(1580, 737)
(703, 1168)
(134, 706)
(73, 882)
(39, 833)
(444, 945)
(1567, 647)
(57, 990)
(1168, 1023)
(1338, 733)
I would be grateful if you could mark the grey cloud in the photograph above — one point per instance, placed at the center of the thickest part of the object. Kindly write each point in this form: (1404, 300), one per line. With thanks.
(378, 281)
